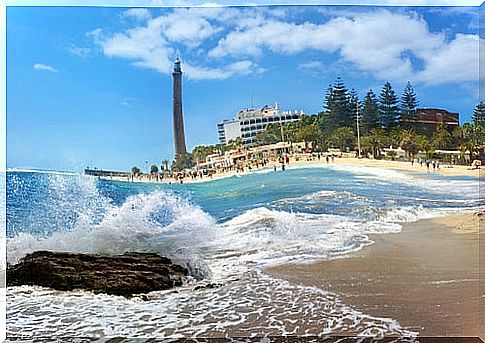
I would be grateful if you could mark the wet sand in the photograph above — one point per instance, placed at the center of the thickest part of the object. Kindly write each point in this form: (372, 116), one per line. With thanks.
(426, 276)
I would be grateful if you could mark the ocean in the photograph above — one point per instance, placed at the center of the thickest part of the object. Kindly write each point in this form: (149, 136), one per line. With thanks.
(225, 231)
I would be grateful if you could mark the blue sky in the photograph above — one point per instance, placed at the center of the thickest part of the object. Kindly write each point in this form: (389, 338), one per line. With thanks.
(91, 86)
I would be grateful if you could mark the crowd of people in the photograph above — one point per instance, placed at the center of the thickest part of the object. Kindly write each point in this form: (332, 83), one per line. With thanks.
(279, 162)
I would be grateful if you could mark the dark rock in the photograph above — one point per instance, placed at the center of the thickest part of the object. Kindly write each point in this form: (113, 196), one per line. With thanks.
(207, 286)
(128, 274)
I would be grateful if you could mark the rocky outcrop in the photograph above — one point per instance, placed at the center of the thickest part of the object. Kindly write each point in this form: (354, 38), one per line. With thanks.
(128, 274)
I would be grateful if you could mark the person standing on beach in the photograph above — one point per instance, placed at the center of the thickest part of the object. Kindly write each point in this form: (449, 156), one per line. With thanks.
(427, 164)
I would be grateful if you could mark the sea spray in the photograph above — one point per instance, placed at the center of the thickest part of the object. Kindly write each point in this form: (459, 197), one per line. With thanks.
(160, 222)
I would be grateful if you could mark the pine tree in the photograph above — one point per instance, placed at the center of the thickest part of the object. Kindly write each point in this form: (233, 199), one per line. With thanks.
(339, 108)
(355, 106)
(388, 107)
(409, 104)
(478, 116)
(327, 103)
(325, 121)
(370, 113)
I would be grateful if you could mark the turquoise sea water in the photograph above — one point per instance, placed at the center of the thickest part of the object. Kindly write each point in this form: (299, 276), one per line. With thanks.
(224, 230)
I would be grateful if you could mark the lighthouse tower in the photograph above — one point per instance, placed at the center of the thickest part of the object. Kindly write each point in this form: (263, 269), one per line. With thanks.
(178, 117)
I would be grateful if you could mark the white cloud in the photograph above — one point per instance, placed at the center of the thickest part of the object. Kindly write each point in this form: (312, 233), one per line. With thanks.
(137, 13)
(367, 41)
(225, 72)
(45, 67)
(203, 3)
(453, 62)
(80, 51)
(153, 45)
(311, 65)
(184, 26)
(145, 45)
(395, 45)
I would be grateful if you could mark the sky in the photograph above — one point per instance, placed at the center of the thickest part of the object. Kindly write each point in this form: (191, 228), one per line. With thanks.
(91, 86)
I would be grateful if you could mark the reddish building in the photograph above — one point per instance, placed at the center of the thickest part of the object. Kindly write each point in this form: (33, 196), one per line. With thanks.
(429, 119)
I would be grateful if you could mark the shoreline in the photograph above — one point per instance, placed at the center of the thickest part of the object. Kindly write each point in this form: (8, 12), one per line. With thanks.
(426, 276)
(446, 170)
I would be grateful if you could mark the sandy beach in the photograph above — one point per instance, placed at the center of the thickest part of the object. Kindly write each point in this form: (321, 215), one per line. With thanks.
(426, 276)
(445, 169)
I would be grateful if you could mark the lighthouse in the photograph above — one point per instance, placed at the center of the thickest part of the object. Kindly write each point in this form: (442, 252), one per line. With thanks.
(178, 117)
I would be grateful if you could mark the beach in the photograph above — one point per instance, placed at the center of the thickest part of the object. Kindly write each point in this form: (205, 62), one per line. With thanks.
(426, 276)
(308, 159)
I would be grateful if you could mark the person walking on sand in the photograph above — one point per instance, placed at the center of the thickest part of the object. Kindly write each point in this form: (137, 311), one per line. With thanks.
(327, 158)
(434, 165)
(427, 164)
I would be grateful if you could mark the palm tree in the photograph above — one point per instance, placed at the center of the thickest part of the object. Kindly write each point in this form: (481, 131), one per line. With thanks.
(290, 130)
(425, 145)
(343, 137)
(154, 169)
(442, 137)
(392, 154)
(235, 143)
(376, 140)
(308, 133)
(165, 164)
(270, 135)
(409, 144)
(135, 170)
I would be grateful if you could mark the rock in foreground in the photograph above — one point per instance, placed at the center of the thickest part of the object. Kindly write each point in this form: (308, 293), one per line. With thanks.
(128, 274)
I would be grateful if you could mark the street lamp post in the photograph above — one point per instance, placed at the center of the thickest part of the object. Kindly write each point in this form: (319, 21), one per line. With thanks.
(358, 132)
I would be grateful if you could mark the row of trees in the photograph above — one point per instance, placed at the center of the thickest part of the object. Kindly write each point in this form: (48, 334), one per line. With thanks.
(341, 108)
(308, 129)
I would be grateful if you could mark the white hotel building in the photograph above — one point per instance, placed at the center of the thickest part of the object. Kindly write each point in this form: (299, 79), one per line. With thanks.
(250, 121)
